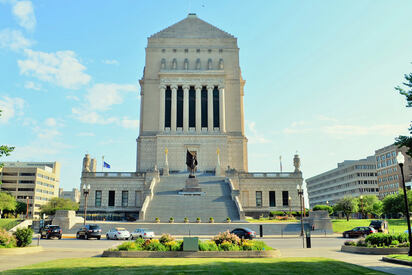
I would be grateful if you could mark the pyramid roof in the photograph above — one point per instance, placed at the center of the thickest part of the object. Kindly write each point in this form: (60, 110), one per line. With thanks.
(192, 27)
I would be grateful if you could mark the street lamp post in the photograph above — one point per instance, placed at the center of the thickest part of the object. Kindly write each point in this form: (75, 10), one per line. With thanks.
(361, 201)
(300, 193)
(401, 159)
(27, 207)
(86, 190)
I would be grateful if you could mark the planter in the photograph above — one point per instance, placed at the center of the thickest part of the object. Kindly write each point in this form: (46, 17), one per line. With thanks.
(186, 221)
(374, 250)
(211, 221)
(157, 221)
(396, 261)
(198, 221)
(199, 254)
(171, 221)
(228, 221)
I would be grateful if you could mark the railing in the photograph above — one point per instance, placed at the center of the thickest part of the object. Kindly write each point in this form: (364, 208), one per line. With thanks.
(235, 198)
(114, 174)
(268, 175)
(148, 198)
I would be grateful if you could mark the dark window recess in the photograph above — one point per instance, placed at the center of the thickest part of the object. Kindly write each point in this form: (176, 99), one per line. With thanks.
(258, 198)
(125, 198)
(192, 107)
(111, 198)
(272, 199)
(27, 174)
(216, 118)
(98, 198)
(168, 106)
(285, 198)
(26, 181)
(204, 106)
(25, 189)
(179, 107)
(9, 174)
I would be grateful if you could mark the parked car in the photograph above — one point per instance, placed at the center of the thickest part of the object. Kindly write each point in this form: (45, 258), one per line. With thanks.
(143, 233)
(361, 231)
(379, 225)
(244, 233)
(118, 233)
(89, 231)
(50, 231)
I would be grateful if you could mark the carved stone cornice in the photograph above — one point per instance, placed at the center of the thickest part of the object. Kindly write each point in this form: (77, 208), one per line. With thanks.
(210, 81)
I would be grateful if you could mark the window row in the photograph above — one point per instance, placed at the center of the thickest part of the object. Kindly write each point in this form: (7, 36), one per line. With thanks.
(197, 50)
(111, 198)
(187, 65)
(272, 198)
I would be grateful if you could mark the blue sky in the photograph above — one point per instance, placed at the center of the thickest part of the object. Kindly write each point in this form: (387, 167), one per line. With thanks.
(320, 77)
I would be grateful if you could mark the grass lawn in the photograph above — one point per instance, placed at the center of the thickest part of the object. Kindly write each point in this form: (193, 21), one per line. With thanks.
(8, 223)
(193, 266)
(401, 257)
(395, 225)
(266, 220)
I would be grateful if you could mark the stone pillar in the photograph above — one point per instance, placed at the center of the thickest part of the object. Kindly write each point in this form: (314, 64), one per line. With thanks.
(174, 109)
(222, 110)
(186, 108)
(162, 108)
(198, 108)
(210, 108)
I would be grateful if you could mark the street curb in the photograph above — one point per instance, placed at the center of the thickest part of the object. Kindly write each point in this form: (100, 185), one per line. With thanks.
(396, 261)
(73, 236)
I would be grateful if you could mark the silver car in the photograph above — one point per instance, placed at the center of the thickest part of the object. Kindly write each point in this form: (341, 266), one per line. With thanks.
(143, 233)
(117, 234)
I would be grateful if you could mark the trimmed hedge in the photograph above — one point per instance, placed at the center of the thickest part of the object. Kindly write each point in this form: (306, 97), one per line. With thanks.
(323, 207)
(382, 239)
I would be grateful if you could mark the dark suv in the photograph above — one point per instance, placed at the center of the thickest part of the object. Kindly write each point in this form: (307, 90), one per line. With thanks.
(51, 231)
(379, 225)
(89, 231)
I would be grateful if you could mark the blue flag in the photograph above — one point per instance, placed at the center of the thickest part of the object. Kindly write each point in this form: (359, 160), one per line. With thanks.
(106, 165)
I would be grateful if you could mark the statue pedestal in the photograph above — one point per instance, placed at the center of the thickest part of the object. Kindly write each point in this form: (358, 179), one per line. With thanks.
(192, 188)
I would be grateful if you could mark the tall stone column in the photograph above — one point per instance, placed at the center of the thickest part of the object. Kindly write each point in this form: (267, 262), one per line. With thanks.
(210, 108)
(222, 110)
(186, 108)
(174, 109)
(162, 108)
(198, 108)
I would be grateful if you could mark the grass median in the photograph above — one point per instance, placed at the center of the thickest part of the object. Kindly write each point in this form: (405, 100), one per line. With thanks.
(394, 225)
(193, 266)
(8, 223)
(401, 257)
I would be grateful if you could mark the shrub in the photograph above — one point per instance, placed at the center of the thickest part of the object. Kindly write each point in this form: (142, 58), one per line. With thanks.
(276, 213)
(171, 219)
(186, 219)
(260, 245)
(246, 245)
(23, 236)
(323, 207)
(165, 238)
(155, 245)
(406, 244)
(228, 246)
(208, 246)
(6, 239)
(382, 239)
(226, 236)
(350, 243)
(129, 246)
(362, 243)
(395, 242)
(139, 242)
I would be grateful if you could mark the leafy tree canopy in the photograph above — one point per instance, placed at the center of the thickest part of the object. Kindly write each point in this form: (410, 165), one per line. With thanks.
(7, 202)
(323, 207)
(347, 205)
(406, 90)
(394, 204)
(58, 204)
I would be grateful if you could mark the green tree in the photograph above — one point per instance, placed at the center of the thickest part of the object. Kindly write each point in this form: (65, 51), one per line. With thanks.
(407, 92)
(370, 204)
(58, 204)
(347, 205)
(21, 207)
(7, 202)
(394, 204)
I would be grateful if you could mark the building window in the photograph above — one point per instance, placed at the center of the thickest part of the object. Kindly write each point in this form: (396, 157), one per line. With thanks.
(192, 107)
(98, 198)
(111, 198)
(125, 198)
(204, 106)
(258, 198)
(168, 106)
(272, 199)
(285, 198)
(179, 107)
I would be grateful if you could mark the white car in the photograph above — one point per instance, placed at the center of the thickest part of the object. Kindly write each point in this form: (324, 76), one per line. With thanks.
(143, 233)
(118, 233)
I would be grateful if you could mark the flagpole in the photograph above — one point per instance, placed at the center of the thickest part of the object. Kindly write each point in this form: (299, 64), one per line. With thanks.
(280, 161)
(102, 163)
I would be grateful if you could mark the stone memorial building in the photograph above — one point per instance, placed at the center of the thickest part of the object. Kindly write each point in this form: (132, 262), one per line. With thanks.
(191, 100)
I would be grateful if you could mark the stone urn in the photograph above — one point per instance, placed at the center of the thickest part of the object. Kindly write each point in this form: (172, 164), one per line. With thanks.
(186, 220)
(171, 220)
(211, 220)
(198, 220)
(157, 220)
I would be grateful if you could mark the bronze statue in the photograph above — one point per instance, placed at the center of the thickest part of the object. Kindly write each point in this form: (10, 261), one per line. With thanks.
(191, 162)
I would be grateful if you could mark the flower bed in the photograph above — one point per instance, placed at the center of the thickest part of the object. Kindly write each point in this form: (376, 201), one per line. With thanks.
(379, 244)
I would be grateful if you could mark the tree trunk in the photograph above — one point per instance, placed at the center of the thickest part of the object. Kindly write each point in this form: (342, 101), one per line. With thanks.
(347, 217)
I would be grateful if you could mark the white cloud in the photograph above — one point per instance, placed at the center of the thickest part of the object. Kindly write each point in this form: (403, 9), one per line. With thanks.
(14, 40)
(61, 68)
(103, 95)
(325, 118)
(253, 136)
(48, 134)
(111, 61)
(359, 130)
(10, 107)
(85, 134)
(129, 123)
(72, 97)
(32, 86)
(91, 117)
(51, 122)
(24, 13)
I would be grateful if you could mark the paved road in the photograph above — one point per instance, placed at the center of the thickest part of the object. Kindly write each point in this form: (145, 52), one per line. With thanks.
(289, 247)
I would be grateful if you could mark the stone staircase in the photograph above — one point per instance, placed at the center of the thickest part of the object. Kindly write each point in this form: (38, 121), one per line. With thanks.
(216, 203)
